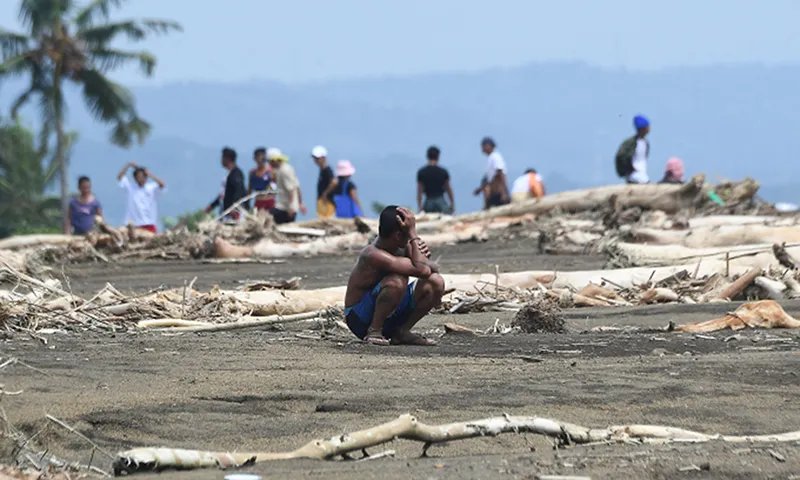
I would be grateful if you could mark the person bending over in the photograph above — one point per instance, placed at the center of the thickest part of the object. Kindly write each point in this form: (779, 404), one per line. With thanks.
(381, 305)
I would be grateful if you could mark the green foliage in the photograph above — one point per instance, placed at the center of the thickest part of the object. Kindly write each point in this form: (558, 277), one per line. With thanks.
(71, 40)
(26, 174)
(191, 220)
(377, 207)
(67, 40)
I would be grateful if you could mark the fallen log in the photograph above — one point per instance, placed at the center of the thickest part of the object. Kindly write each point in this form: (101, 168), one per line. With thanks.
(659, 295)
(271, 249)
(720, 236)
(760, 314)
(773, 288)
(635, 254)
(666, 197)
(28, 241)
(730, 291)
(289, 302)
(409, 427)
(243, 323)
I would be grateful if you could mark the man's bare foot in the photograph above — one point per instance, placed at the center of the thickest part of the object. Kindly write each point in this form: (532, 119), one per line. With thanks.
(409, 338)
(375, 338)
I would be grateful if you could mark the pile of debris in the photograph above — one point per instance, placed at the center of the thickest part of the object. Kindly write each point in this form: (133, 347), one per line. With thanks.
(566, 222)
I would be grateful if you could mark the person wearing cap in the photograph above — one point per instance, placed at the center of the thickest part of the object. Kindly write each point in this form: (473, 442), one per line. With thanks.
(260, 180)
(289, 200)
(493, 185)
(529, 185)
(326, 182)
(631, 158)
(233, 188)
(434, 182)
(345, 195)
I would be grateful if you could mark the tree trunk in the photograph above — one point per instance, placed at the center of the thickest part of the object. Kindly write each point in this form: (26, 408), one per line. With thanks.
(61, 151)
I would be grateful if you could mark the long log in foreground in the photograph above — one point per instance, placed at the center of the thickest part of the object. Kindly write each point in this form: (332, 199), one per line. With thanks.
(291, 302)
(409, 427)
(665, 197)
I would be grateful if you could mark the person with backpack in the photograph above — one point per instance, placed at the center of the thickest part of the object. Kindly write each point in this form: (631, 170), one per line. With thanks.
(345, 195)
(631, 158)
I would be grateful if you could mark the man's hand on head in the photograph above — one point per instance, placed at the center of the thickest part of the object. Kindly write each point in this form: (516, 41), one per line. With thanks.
(406, 219)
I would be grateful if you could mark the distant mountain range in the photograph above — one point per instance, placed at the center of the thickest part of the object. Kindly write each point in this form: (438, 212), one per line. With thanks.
(566, 120)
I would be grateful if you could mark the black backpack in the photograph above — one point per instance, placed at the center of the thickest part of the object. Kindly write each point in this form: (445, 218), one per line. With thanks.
(624, 157)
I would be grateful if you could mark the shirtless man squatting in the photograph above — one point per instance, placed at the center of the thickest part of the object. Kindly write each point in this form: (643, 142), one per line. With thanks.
(381, 305)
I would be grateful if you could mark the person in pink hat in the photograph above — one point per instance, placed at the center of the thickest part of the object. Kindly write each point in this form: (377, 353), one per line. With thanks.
(345, 195)
(674, 171)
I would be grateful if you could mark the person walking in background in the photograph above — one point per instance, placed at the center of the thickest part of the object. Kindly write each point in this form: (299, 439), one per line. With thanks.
(260, 180)
(345, 195)
(529, 185)
(631, 158)
(289, 200)
(674, 171)
(434, 181)
(82, 209)
(326, 182)
(233, 188)
(142, 209)
(494, 185)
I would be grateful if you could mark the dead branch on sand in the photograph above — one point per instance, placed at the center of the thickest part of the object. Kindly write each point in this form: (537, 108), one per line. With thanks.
(409, 427)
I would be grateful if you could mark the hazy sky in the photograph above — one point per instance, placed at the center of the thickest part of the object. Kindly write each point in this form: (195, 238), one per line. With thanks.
(308, 40)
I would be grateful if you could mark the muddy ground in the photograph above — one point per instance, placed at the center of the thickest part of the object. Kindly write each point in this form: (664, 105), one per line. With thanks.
(275, 390)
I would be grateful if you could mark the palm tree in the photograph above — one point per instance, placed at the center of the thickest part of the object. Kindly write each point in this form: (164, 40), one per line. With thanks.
(68, 42)
(25, 177)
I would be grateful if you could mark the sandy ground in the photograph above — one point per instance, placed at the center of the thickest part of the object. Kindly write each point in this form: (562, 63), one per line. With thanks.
(275, 390)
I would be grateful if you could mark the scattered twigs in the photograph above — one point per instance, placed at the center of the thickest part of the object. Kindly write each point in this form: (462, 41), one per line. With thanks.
(80, 435)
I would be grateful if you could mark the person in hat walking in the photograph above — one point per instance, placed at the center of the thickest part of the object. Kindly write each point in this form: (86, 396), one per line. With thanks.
(345, 194)
(289, 200)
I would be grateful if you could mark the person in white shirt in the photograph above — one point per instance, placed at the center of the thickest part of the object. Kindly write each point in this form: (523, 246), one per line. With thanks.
(142, 208)
(639, 174)
(529, 185)
(494, 185)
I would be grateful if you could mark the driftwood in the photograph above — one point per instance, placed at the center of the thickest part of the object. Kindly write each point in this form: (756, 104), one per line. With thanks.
(243, 323)
(760, 314)
(669, 198)
(730, 291)
(28, 241)
(409, 428)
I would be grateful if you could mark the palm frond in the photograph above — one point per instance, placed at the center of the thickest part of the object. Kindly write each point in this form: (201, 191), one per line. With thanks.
(96, 9)
(135, 30)
(40, 15)
(38, 85)
(112, 103)
(13, 44)
(125, 131)
(14, 66)
(107, 59)
(106, 100)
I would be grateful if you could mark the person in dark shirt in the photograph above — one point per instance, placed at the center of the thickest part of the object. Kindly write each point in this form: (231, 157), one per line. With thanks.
(234, 186)
(326, 183)
(434, 181)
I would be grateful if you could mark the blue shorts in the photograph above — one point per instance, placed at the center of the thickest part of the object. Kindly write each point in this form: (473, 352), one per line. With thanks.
(359, 316)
